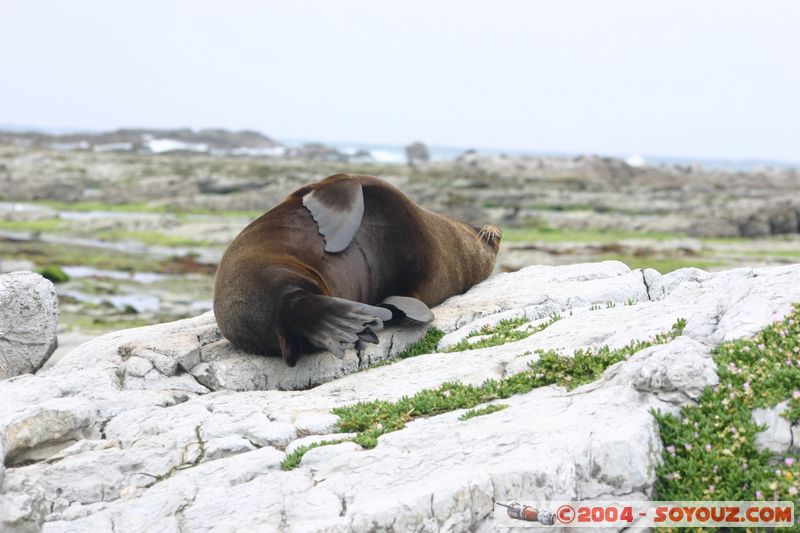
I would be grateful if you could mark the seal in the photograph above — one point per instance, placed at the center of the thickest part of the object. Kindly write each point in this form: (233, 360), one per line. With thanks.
(325, 268)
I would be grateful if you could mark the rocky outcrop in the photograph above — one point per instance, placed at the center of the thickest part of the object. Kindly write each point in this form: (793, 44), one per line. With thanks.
(169, 428)
(136, 139)
(28, 322)
(417, 153)
(221, 170)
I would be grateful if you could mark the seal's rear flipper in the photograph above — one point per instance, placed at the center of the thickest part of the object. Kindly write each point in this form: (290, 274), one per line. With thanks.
(329, 323)
(337, 206)
(405, 307)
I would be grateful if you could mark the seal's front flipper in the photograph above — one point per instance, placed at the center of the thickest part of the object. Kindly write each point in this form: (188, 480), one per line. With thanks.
(337, 206)
(405, 307)
(291, 348)
(332, 324)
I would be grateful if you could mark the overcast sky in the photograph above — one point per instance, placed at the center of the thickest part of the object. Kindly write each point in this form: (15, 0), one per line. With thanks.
(712, 79)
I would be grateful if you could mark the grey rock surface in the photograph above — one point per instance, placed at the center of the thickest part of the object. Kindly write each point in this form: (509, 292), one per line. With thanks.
(28, 323)
(167, 428)
(777, 435)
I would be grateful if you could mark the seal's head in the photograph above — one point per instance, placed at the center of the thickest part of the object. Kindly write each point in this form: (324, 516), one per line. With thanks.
(491, 235)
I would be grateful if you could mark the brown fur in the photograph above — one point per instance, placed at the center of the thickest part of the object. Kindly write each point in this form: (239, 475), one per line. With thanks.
(400, 249)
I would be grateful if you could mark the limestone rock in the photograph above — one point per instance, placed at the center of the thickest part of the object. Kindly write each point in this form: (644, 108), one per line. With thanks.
(777, 436)
(28, 323)
(168, 427)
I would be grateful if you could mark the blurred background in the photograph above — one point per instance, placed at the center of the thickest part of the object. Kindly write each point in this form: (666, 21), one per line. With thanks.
(137, 139)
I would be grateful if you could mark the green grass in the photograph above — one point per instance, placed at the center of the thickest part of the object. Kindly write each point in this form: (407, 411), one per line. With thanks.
(594, 208)
(54, 273)
(47, 224)
(663, 265)
(372, 419)
(769, 253)
(293, 459)
(102, 324)
(43, 254)
(425, 345)
(710, 450)
(141, 207)
(151, 238)
(547, 234)
(503, 332)
(135, 207)
(728, 240)
(587, 364)
(489, 409)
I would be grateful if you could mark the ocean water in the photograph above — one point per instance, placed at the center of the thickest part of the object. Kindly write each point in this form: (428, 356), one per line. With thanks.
(387, 153)
(395, 154)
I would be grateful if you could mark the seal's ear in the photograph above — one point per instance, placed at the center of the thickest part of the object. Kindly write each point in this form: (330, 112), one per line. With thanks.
(337, 206)
(405, 307)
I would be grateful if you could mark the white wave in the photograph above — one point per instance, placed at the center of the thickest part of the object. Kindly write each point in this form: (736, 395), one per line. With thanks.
(160, 146)
(274, 151)
(635, 161)
(388, 156)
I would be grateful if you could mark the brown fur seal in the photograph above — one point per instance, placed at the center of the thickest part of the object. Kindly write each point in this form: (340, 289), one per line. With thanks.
(334, 260)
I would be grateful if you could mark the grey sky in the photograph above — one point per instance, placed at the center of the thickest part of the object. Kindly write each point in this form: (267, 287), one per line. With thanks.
(716, 79)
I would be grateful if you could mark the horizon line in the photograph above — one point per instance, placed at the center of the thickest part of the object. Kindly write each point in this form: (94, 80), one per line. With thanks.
(786, 163)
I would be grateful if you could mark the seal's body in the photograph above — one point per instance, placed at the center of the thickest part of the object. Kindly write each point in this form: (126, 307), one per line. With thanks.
(324, 268)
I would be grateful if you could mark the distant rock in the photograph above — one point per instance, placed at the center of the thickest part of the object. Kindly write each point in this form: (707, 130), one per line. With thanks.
(763, 218)
(28, 323)
(171, 425)
(13, 265)
(416, 153)
(147, 140)
(317, 152)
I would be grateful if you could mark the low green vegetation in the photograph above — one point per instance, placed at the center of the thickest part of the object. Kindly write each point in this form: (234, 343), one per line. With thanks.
(133, 207)
(663, 264)
(54, 273)
(151, 238)
(710, 450)
(771, 253)
(588, 364)
(101, 324)
(44, 253)
(425, 345)
(505, 331)
(293, 459)
(372, 419)
(41, 225)
(142, 207)
(489, 409)
(593, 208)
(544, 233)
